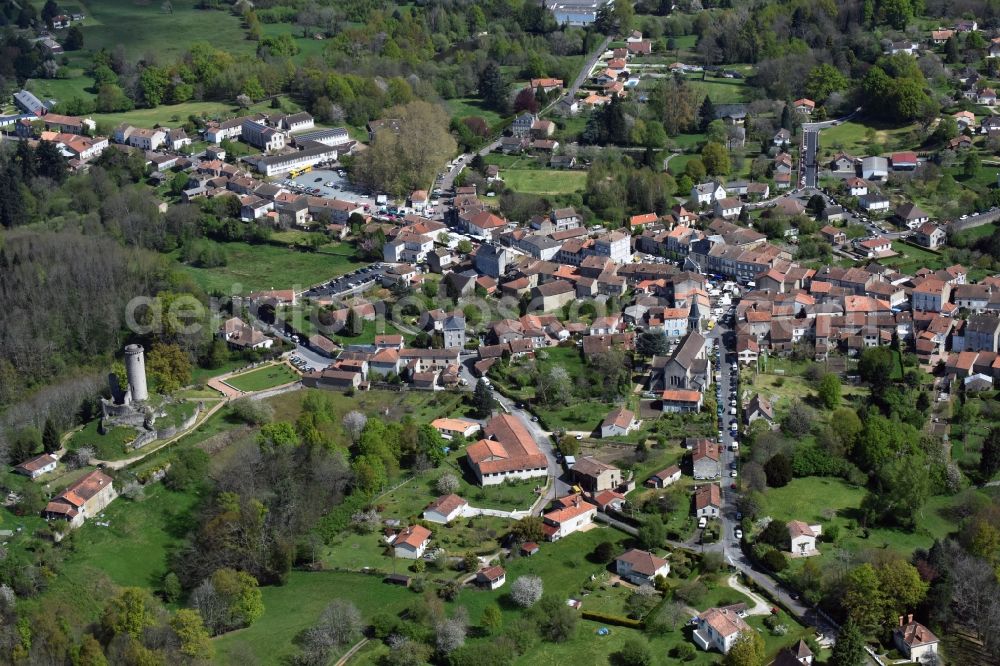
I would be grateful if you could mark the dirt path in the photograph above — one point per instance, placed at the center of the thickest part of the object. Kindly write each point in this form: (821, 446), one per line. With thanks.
(153, 448)
(350, 653)
(760, 605)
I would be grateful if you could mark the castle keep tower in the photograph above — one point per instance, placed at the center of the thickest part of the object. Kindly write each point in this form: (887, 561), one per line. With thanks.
(135, 370)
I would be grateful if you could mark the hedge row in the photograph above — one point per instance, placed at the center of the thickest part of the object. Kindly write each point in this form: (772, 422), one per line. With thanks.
(612, 619)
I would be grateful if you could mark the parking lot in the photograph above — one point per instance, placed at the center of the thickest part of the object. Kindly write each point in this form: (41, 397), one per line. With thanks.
(357, 281)
(329, 184)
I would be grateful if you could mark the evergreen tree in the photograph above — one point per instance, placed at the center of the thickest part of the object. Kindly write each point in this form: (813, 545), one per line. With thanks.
(493, 88)
(989, 460)
(26, 160)
(50, 437)
(482, 399)
(49, 12)
(74, 39)
(786, 117)
(614, 120)
(706, 114)
(51, 162)
(850, 647)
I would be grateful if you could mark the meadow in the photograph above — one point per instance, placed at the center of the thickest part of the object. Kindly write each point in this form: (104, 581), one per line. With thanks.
(544, 181)
(264, 378)
(261, 267)
(142, 27)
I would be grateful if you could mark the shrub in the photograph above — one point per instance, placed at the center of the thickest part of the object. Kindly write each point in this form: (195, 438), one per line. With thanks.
(775, 560)
(683, 652)
(608, 618)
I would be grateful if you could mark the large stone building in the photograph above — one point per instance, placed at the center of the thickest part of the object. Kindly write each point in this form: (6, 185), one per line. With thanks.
(82, 500)
(507, 452)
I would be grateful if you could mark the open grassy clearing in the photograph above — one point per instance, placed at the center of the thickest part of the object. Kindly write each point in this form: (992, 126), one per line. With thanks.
(851, 137)
(544, 181)
(912, 258)
(721, 91)
(264, 378)
(133, 550)
(261, 267)
(201, 375)
(466, 107)
(297, 604)
(815, 499)
(110, 446)
(421, 406)
(143, 27)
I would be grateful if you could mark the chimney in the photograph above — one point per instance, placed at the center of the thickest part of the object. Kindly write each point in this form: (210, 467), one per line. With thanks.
(901, 620)
(909, 619)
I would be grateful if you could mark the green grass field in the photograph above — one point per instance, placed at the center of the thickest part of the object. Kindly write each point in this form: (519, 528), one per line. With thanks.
(466, 107)
(297, 604)
(261, 267)
(544, 181)
(812, 499)
(142, 27)
(264, 378)
(132, 550)
(851, 138)
(720, 90)
(110, 446)
(912, 258)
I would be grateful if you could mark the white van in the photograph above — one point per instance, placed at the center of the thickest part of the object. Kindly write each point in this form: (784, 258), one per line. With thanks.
(702, 522)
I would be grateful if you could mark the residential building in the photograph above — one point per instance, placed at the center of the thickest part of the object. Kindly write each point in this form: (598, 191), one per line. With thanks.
(445, 509)
(681, 401)
(147, 139)
(594, 476)
(874, 202)
(491, 577)
(759, 407)
(802, 538)
(911, 215)
(411, 543)
(798, 655)
(38, 465)
(240, 335)
(982, 332)
(804, 105)
(705, 460)
(930, 295)
(82, 500)
(728, 207)
(521, 127)
(916, 642)
(569, 515)
(930, 235)
(262, 137)
(507, 452)
(705, 194)
(616, 245)
(641, 567)
(454, 332)
(450, 428)
(718, 629)
(491, 260)
(553, 295)
(618, 423)
(217, 132)
(856, 187)
(665, 477)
